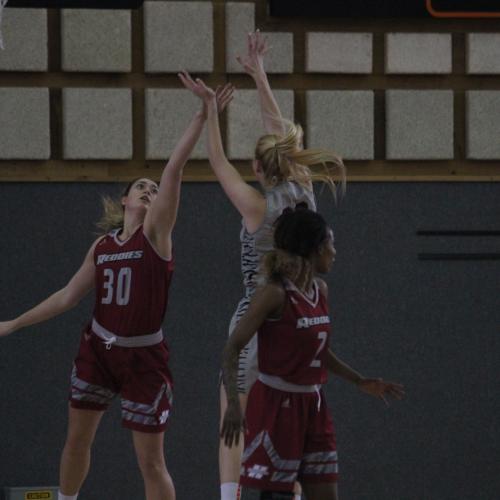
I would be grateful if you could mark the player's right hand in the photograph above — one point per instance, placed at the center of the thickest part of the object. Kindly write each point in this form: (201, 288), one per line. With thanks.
(233, 425)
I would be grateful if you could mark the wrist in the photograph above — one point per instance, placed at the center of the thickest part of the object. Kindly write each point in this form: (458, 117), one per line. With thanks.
(260, 76)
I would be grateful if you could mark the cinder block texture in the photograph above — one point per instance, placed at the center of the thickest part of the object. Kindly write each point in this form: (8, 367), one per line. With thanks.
(24, 33)
(419, 124)
(483, 53)
(428, 53)
(24, 123)
(483, 125)
(240, 20)
(97, 123)
(339, 53)
(168, 113)
(178, 35)
(341, 121)
(96, 40)
(245, 124)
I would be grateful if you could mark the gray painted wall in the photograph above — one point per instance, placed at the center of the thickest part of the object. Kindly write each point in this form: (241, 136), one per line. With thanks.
(432, 325)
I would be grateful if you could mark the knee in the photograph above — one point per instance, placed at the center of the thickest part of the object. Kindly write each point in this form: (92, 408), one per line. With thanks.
(152, 465)
(77, 446)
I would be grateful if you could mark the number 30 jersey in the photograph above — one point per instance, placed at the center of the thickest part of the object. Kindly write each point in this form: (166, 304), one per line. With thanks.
(132, 283)
(294, 347)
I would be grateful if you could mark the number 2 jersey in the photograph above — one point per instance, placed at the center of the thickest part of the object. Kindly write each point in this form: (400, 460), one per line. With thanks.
(132, 283)
(295, 346)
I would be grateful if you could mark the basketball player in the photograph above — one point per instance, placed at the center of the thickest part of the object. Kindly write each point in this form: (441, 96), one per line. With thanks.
(281, 167)
(290, 434)
(122, 351)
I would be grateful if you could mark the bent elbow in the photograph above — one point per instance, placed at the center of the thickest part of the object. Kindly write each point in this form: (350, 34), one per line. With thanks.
(68, 300)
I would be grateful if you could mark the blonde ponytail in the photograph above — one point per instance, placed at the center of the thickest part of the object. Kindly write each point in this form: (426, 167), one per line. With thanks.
(112, 217)
(284, 159)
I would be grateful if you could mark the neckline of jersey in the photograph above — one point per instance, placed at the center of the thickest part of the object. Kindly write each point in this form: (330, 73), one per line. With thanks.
(312, 302)
(118, 241)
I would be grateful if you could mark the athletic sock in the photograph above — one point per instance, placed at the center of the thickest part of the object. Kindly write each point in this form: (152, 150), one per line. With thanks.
(60, 496)
(229, 491)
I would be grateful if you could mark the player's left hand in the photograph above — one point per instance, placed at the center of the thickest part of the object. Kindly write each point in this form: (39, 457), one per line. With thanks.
(257, 48)
(224, 95)
(233, 425)
(381, 389)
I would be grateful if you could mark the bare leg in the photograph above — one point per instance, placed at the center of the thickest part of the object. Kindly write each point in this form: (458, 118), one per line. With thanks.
(75, 459)
(297, 489)
(230, 458)
(149, 451)
(320, 491)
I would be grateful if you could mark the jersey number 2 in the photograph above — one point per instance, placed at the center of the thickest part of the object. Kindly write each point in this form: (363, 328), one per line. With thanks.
(122, 290)
(316, 363)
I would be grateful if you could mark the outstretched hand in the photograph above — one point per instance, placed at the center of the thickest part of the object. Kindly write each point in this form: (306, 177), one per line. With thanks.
(6, 327)
(222, 94)
(381, 389)
(257, 47)
(197, 87)
(232, 425)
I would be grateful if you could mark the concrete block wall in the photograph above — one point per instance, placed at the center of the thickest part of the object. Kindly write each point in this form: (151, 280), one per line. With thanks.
(97, 124)
(96, 40)
(342, 118)
(392, 97)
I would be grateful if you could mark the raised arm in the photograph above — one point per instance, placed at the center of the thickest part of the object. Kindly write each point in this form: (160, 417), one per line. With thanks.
(247, 200)
(253, 64)
(161, 216)
(62, 300)
(266, 303)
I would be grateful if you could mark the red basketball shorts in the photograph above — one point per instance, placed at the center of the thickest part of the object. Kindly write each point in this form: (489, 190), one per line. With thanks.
(290, 438)
(139, 374)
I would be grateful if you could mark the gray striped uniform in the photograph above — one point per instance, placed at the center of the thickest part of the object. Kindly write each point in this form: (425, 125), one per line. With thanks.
(253, 248)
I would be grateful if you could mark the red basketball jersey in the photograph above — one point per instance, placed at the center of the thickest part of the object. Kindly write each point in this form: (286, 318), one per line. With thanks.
(295, 346)
(132, 283)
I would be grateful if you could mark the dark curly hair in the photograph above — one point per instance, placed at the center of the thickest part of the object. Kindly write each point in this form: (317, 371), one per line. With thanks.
(298, 234)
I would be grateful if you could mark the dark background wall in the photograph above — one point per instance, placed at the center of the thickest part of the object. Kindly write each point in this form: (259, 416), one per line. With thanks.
(433, 325)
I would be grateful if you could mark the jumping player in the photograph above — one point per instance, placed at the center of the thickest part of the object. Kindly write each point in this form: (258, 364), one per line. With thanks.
(281, 167)
(122, 351)
(290, 434)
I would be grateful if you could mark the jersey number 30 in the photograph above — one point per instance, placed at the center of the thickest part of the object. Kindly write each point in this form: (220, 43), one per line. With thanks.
(120, 290)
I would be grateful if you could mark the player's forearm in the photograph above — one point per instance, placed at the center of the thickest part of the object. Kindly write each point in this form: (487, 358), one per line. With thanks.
(230, 372)
(216, 153)
(54, 305)
(341, 369)
(270, 111)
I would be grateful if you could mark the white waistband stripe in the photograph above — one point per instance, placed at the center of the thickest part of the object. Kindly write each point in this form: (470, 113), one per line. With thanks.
(283, 385)
(110, 338)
